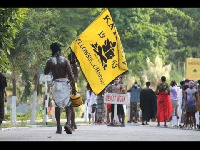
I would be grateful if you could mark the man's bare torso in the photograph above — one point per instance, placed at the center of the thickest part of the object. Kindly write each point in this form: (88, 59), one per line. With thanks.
(116, 88)
(162, 88)
(60, 67)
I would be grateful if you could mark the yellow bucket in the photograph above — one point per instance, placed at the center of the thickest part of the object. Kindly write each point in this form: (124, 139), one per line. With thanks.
(76, 100)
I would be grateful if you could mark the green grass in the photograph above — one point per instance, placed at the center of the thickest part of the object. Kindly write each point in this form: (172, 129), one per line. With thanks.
(9, 125)
(25, 124)
(54, 123)
(22, 118)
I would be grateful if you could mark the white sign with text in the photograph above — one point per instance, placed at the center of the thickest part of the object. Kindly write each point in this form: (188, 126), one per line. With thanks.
(115, 98)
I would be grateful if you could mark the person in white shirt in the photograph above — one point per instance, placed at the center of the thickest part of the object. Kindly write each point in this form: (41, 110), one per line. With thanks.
(174, 97)
(180, 97)
(91, 101)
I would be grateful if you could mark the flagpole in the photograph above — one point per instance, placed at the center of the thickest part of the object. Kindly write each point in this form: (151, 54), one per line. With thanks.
(66, 50)
(89, 57)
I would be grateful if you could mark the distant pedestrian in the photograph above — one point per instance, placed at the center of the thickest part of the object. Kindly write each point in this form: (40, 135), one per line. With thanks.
(91, 98)
(184, 87)
(198, 105)
(180, 99)
(148, 104)
(190, 99)
(164, 105)
(174, 91)
(108, 105)
(100, 107)
(3, 95)
(117, 88)
(134, 99)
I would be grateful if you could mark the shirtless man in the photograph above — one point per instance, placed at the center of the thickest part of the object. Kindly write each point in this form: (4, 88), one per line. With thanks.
(61, 69)
(73, 62)
(117, 88)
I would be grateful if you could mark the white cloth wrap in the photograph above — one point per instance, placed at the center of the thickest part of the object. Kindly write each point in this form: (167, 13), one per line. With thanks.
(61, 92)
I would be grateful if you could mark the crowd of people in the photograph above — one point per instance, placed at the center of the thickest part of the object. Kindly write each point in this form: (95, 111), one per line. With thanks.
(176, 103)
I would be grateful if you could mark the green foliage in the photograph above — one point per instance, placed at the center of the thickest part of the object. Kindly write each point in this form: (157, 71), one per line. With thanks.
(170, 33)
(63, 114)
(79, 111)
(39, 115)
(23, 117)
(27, 90)
(10, 21)
(176, 75)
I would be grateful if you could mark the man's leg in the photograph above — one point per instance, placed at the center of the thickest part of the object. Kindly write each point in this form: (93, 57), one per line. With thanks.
(89, 116)
(165, 123)
(136, 112)
(93, 117)
(67, 126)
(194, 120)
(119, 118)
(57, 115)
(68, 113)
(111, 118)
(108, 116)
(123, 118)
(186, 119)
(73, 124)
(1, 106)
(131, 112)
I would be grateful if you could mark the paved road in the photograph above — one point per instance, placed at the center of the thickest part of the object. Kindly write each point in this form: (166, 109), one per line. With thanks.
(85, 132)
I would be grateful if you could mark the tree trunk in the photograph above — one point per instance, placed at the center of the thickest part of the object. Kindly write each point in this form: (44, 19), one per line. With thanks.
(34, 98)
(14, 97)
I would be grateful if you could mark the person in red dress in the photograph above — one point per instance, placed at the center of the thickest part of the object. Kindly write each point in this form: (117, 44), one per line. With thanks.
(164, 104)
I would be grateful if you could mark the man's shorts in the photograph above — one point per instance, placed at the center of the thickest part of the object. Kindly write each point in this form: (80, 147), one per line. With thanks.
(133, 106)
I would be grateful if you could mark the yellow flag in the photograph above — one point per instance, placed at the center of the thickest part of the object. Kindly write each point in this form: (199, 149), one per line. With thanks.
(100, 53)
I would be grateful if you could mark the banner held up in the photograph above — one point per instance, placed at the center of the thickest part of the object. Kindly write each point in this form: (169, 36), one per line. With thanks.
(100, 53)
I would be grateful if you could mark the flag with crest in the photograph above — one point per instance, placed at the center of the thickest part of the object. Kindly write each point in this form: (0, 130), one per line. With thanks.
(100, 53)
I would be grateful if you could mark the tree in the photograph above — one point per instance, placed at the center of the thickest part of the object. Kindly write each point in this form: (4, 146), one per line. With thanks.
(10, 21)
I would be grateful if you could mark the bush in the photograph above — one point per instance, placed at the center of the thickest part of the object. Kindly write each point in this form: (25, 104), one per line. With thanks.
(79, 111)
